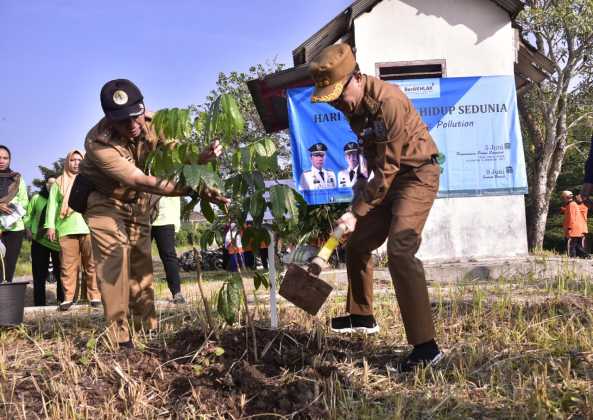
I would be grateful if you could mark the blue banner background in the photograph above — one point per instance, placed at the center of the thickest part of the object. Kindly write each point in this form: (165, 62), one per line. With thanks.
(474, 121)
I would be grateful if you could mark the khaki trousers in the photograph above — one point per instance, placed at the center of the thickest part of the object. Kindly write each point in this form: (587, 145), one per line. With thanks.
(120, 234)
(76, 253)
(400, 219)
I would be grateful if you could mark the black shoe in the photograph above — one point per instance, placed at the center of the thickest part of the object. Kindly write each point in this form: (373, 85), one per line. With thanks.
(355, 323)
(96, 303)
(417, 358)
(64, 306)
(178, 298)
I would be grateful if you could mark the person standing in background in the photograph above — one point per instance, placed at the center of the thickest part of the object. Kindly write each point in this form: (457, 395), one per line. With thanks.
(581, 248)
(234, 246)
(163, 232)
(574, 223)
(69, 227)
(42, 249)
(13, 207)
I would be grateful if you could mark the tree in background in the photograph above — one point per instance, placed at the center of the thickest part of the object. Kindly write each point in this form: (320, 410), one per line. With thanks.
(235, 84)
(55, 170)
(553, 109)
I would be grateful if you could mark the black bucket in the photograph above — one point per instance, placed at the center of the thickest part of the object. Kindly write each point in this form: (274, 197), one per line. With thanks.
(12, 302)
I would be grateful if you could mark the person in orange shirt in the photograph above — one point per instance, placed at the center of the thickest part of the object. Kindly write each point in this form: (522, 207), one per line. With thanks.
(575, 224)
(581, 249)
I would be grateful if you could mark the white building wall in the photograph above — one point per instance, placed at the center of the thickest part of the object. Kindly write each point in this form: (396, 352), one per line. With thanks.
(475, 38)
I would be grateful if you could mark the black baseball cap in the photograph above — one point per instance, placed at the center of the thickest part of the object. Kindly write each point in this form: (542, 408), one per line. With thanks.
(121, 99)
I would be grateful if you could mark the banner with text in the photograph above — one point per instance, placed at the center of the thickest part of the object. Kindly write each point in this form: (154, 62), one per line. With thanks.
(474, 121)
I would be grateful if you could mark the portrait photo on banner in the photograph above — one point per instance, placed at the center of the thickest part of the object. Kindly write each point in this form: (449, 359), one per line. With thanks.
(327, 159)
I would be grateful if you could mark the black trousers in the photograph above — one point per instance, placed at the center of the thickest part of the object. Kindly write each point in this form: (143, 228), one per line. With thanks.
(40, 258)
(575, 248)
(12, 241)
(249, 259)
(165, 243)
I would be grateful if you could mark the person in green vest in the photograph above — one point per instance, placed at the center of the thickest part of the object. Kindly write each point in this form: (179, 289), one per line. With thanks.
(42, 249)
(71, 230)
(13, 207)
(163, 231)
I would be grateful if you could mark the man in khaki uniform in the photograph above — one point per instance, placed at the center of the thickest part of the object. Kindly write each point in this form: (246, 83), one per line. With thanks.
(393, 205)
(118, 208)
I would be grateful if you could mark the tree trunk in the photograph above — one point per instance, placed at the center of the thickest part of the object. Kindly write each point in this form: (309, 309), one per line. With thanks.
(550, 151)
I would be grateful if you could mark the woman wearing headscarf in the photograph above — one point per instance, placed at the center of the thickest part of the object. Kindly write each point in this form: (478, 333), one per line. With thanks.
(42, 249)
(13, 205)
(75, 241)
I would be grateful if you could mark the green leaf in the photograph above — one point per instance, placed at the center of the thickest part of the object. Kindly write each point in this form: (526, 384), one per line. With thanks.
(203, 242)
(242, 184)
(257, 206)
(277, 201)
(236, 160)
(284, 202)
(176, 156)
(265, 148)
(183, 128)
(171, 123)
(247, 154)
(229, 299)
(218, 238)
(258, 181)
(158, 121)
(222, 306)
(218, 351)
(193, 175)
(207, 210)
(232, 122)
(210, 177)
(291, 203)
(91, 344)
(267, 163)
(260, 279)
(200, 122)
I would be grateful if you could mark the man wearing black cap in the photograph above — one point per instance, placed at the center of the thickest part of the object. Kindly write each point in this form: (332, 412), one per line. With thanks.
(318, 178)
(347, 177)
(118, 208)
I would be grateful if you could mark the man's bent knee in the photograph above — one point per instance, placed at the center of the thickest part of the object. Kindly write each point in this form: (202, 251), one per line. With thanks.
(403, 243)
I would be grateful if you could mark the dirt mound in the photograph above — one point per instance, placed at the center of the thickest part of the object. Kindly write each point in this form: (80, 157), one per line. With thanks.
(280, 382)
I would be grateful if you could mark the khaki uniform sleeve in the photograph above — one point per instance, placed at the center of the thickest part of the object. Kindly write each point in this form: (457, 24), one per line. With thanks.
(387, 159)
(111, 163)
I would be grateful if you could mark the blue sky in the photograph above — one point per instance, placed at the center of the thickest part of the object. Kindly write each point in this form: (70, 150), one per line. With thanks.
(56, 54)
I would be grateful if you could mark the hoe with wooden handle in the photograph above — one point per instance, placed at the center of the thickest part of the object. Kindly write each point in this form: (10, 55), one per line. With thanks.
(303, 287)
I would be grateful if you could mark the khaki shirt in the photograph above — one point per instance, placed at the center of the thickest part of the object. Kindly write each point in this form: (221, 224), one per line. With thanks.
(111, 159)
(392, 135)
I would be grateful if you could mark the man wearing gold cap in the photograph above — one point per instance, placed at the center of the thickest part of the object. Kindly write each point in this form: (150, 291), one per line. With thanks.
(392, 205)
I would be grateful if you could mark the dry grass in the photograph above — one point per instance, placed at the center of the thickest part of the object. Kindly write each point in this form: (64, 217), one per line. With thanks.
(515, 348)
